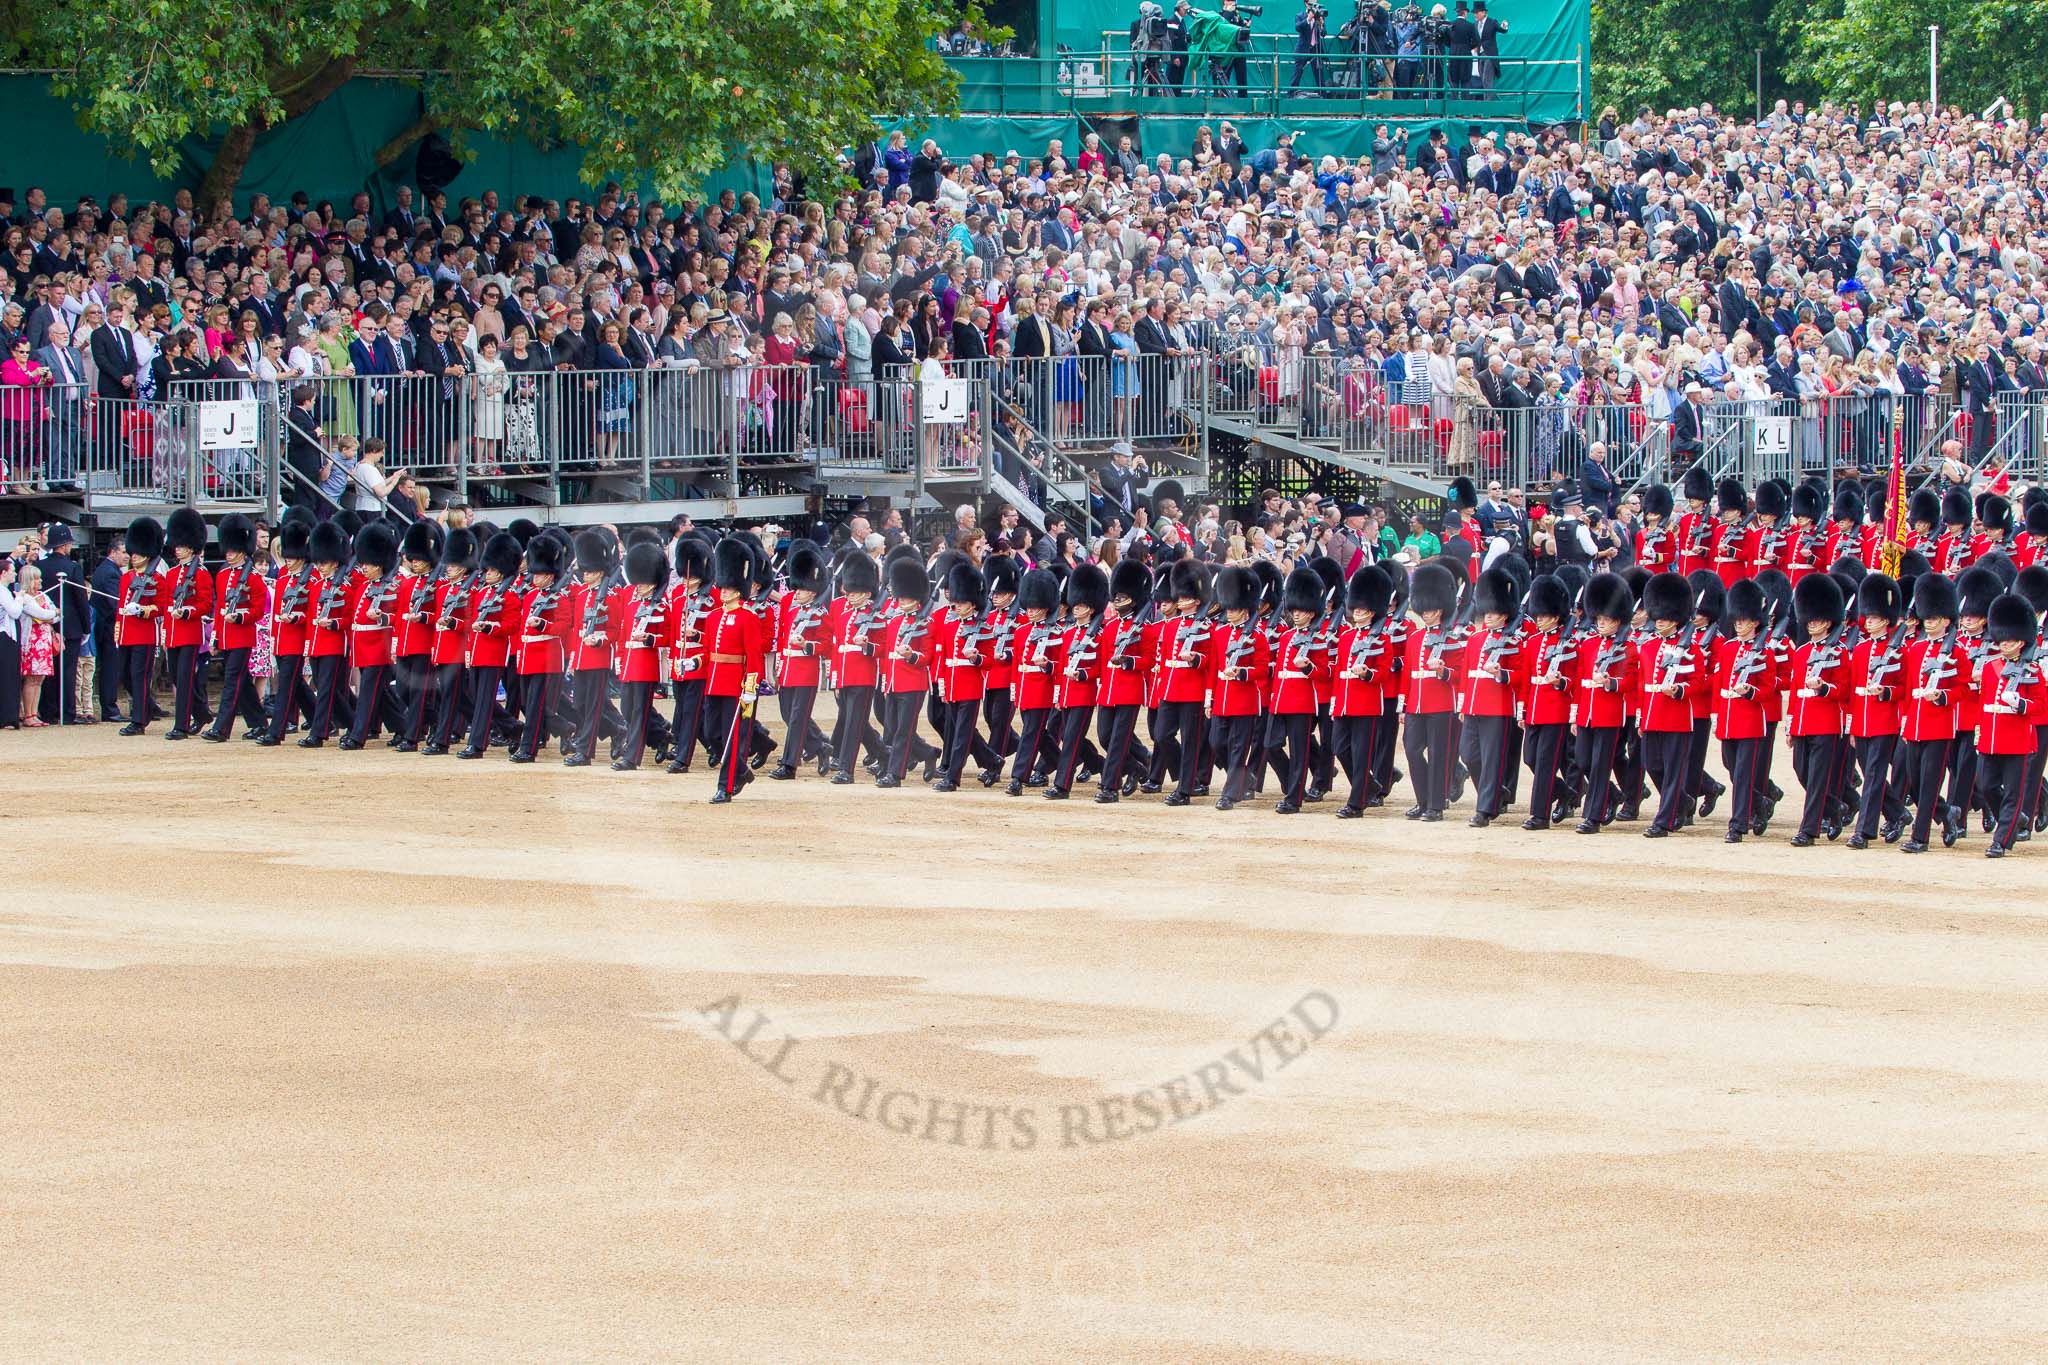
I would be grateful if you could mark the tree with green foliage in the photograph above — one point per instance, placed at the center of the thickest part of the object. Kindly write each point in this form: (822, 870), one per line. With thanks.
(665, 90)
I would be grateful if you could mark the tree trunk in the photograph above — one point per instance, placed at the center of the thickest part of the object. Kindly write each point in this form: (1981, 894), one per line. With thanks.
(403, 142)
(299, 89)
(228, 164)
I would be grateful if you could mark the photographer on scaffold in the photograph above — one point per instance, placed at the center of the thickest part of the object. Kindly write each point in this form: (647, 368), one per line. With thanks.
(1148, 49)
(1311, 26)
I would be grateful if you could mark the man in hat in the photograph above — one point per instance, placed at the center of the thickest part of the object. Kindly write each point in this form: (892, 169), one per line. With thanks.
(327, 634)
(1431, 666)
(188, 602)
(639, 622)
(1745, 677)
(800, 652)
(241, 601)
(547, 626)
(1487, 693)
(1671, 668)
(1931, 687)
(851, 625)
(1820, 674)
(496, 613)
(373, 615)
(690, 601)
(1696, 523)
(1873, 706)
(412, 635)
(2013, 699)
(1237, 667)
(1605, 668)
(1544, 665)
(142, 598)
(450, 605)
(1078, 656)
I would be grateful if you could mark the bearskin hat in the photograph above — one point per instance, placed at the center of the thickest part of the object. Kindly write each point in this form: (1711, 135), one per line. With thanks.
(144, 538)
(1638, 578)
(1607, 595)
(1698, 484)
(1548, 597)
(1332, 575)
(908, 581)
(1851, 568)
(1746, 601)
(1879, 595)
(646, 565)
(1433, 587)
(1130, 582)
(693, 559)
(1039, 590)
(294, 539)
(1668, 597)
(1810, 500)
(1189, 581)
(2011, 618)
(1657, 501)
(596, 552)
(1271, 582)
(1996, 513)
(1709, 598)
(238, 534)
(1496, 591)
(544, 555)
(1002, 575)
(1088, 586)
(965, 583)
(1818, 597)
(459, 550)
(377, 546)
(1397, 574)
(2000, 563)
(421, 543)
(1237, 589)
(186, 530)
(1731, 497)
(1464, 493)
(1369, 590)
(1777, 592)
(2037, 518)
(1168, 488)
(1912, 564)
(1955, 508)
(328, 544)
(501, 552)
(1924, 508)
(805, 569)
(2032, 584)
(1848, 504)
(1517, 568)
(1574, 577)
(1303, 592)
(1772, 499)
(522, 530)
(1935, 598)
(1975, 587)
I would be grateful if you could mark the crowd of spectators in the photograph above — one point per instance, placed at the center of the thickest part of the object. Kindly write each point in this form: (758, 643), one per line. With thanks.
(1894, 254)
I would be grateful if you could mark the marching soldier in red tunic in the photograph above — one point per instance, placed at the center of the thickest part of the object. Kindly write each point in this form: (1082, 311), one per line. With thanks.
(1078, 654)
(1180, 651)
(640, 629)
(800, 653)
(850, 628)
(1126, 667)
(545, 629)
(372, 610)
(735, 654)
(1696, 524)
(2032, 547)
(1976, 586)
(1301, 658)
(1745, 678)
(1873, 706)
(906, 652)
(451, 604)
(1605, 668)
(1366, 663)
(1932, 673)
(961, 640)
(1431, 666)
(1952, 548)
(1548, 688)
(595, 603)
(1237, 664)
(187, 592)
(688, 604)
(1671, 669)
(241, 599)
(142, 600)
(998, 699)
(1488, 689)
(495, 616)
(1820, 667)
(1657, 543)
(290, 607)
(327, 636)
(1845, 531)
(412, 637)
(1031, 646)
(2013, 697)
(1808, 549)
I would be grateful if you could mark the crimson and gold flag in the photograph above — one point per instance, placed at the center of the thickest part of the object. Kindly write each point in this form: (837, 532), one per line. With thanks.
(1896, 527)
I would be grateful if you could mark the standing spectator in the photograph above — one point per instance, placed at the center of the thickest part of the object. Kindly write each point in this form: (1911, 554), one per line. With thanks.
(64, 580)
(106, 595)
(39, 643)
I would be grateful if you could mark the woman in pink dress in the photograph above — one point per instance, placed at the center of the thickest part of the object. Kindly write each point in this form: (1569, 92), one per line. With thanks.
(39, 642)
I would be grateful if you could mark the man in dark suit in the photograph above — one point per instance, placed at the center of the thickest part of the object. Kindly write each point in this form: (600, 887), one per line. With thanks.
(67, 404)
(1463, 40)
(401, 220)
(1978, 380)
(304, 451)
(64, 581)
(970, 336)
(1598, 484)
(113, 354)
(1688, 428)
(1486, 70)
(1310, 27)
(1126, 474)
(106, 602)
(1096, 350)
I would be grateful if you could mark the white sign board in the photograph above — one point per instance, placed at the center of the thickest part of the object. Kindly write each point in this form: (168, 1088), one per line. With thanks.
(227, 425)
(944, 402)
(1774, 435)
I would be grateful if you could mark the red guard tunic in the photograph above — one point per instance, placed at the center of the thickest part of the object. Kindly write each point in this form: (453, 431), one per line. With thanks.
(1827, 681)
(327, 631)
(1238, 690)
(1423, 692)
(911, 674)
(640, 628)
(412, 606)
(1931, 665)
(1879, 714)
(139, 629)
(1078, 656)
(186, 627)
(1000, 670)
(735, 649)
(1126, 662)
(2014, 733)
(1603, 697)
(370, 623)
(1301, 664)
(1695, 548)
(850, 638)
(687, 612)
(250, 591)
(452, 604)
(1366, 668)
(1480, 693)
(1745, 716)
(1732, 551)
(960, 655)
(1660, 661)
(496, 614)
(1657, 548)
(1547, 703)
(610, 604)
(290, 607)
(799, 641)
(1180, 660)
(1032, 648)
(545, 629)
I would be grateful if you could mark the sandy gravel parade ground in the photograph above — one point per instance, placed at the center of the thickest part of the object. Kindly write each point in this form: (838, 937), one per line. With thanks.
(324, 1056)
